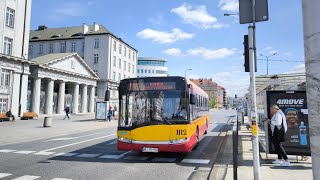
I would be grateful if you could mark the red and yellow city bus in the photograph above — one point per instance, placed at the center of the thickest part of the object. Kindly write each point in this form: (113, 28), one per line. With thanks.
(161, 114)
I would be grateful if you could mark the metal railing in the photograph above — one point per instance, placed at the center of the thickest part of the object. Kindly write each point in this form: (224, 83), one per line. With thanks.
(235, 143)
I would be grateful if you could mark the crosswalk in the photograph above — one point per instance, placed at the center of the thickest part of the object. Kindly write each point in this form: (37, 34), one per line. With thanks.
(124, 156)
(26, 177)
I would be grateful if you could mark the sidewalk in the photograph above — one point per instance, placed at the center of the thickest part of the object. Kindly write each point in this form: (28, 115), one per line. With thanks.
(223, 168)
(26, 130)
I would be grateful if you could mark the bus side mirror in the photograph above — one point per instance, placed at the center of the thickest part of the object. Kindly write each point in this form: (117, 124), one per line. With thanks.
(193, 99)
(107, 95)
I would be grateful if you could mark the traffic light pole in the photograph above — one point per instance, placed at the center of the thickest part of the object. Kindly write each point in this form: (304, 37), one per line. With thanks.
(311, 29)
(254, 125)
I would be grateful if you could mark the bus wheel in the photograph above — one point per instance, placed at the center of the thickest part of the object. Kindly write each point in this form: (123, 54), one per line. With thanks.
(206, 127)
(197, 139)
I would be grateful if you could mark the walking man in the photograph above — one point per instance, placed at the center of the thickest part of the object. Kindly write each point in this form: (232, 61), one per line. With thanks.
(67, 111)
(110, 113)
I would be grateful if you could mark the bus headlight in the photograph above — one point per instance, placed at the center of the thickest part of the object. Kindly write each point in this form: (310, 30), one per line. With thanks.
(126, 140)
(179, 141)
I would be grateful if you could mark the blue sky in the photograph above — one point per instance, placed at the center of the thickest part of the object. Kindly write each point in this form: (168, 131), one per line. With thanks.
(189, 34)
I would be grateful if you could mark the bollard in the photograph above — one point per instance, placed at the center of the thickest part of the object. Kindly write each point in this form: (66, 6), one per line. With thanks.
(47, 122)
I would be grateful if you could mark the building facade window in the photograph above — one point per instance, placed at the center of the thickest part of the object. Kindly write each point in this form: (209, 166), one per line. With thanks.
(8, 44)
(114, 76)
(96, 43)
(114, 61)
(73, 47)
(153, 71)
(5, 78)
(132, 68)
(120, 48)
(129, 54)
(30, 49)
(95, 58)
(137, 70)
(119, 77)
(95, 71)
(3, 105)
(133, 56)
(41, 49)
(149, 71)
(125, 51)
(145, 71)
(114, 45)
(10, 17)
(62, 47)
(119, 63)
(50, 48)
(125, 65)
(129, 67)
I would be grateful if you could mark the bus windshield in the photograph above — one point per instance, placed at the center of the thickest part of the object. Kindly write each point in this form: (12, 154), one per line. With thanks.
(143, 108)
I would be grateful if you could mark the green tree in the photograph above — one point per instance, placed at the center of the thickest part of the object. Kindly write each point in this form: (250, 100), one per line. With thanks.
(212, 102)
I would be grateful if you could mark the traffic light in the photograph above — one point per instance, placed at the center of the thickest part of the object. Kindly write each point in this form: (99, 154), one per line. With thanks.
(107, 95)
(246, 53)
(235, 96)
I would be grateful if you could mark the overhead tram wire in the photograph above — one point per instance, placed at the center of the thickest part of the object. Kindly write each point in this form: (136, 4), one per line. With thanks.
(280, 60)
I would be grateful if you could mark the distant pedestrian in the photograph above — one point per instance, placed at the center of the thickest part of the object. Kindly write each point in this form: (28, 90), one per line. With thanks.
(110, 114)
(67, 111)
(9, 114)
(278, 128)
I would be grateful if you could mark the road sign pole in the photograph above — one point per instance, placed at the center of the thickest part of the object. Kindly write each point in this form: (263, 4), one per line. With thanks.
(311, 29)
(254, 124)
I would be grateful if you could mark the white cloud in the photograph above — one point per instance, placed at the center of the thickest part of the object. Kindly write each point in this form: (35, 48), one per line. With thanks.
(211, 54)
(173, 52)
(198, 17)
(298, 69)
(288, 54)
(164, 37)
(269, 50)
(229, 5)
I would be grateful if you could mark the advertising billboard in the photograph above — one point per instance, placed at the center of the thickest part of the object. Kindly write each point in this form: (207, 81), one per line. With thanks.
(294, 106)
(101, 110)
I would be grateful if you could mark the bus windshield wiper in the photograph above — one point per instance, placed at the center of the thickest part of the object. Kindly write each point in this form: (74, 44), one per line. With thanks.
(166, 120)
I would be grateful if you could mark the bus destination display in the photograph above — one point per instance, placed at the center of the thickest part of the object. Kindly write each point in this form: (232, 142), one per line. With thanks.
(147, 86)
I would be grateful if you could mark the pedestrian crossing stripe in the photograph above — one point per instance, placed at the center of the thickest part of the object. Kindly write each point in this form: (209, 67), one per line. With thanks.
(107, 156)
(27, 177)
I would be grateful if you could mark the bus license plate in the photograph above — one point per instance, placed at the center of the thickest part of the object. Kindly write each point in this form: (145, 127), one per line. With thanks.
(147, 149)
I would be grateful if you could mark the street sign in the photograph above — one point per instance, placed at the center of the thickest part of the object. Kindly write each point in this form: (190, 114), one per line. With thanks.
(245, 11)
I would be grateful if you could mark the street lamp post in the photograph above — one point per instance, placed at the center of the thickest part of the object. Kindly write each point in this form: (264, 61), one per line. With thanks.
(267, 57)
(185, 72)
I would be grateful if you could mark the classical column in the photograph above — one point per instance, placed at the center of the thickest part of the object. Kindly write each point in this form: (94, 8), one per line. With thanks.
(49, 96)
(15, 94)
(24, 93)
(75, 98)
(84, 98)
(61, 96)
(91, 98)
(36, 89)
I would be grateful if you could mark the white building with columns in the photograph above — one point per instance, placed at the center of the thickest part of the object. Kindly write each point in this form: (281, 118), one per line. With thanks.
(14, 68)
(111, 58)
(59, 75)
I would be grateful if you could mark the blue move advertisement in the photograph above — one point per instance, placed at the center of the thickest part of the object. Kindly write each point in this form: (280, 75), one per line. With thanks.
(294, 106)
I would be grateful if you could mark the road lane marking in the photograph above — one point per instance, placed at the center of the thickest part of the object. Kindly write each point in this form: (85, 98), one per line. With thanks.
(88, 155)
(70, 138)
(113, 142)
(44, 153)
(27, 177)
(60, 179)
(2, 175)
(66, 154)
(7, 150)
(59, 147)
(114, 156)
(159, 159)
(139, 158)
(24, 152)
(196, 161)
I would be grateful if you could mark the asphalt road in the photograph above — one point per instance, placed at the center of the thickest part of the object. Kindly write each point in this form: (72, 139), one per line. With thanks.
(93, 156)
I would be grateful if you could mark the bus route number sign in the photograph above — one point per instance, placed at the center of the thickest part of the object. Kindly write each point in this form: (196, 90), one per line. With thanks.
(181, 132)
